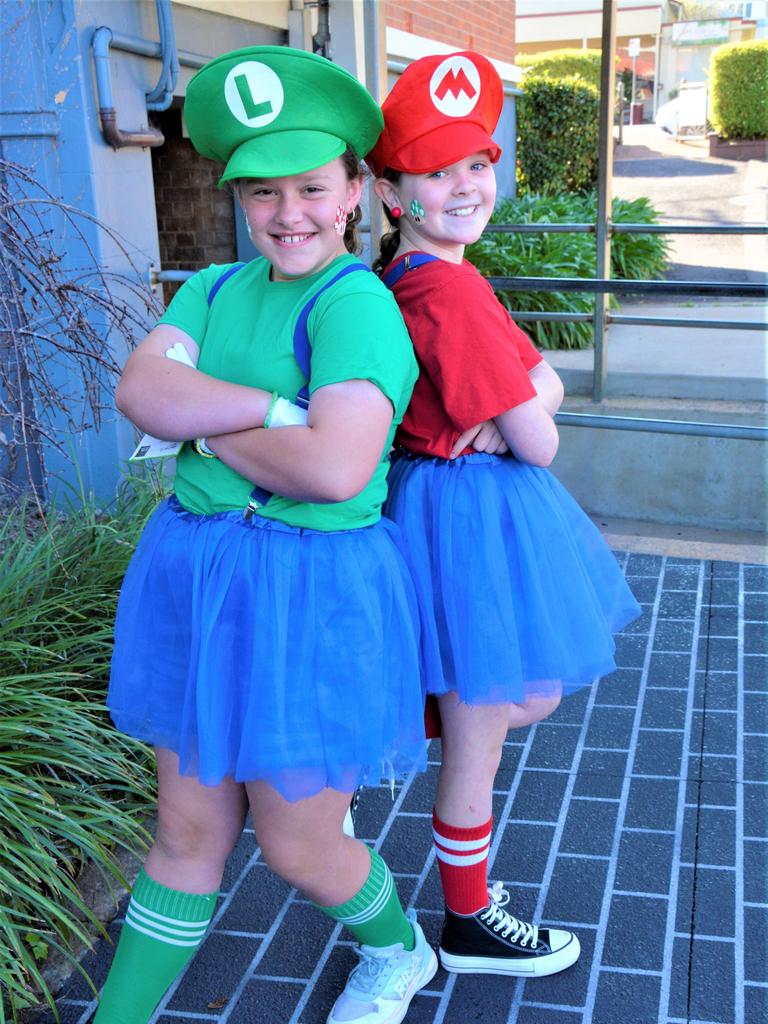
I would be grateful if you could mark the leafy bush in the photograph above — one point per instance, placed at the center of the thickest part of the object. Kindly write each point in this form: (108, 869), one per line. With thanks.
(558, 129)
(72, 789)
(738, 89)
(633, 257)
(563, 64)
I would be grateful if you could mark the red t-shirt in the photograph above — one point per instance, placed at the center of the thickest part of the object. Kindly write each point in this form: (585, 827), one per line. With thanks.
(473, 358)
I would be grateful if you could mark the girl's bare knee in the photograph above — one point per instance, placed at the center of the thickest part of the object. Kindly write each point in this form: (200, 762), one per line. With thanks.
(182, 837)
(546, 705)
(535, 709)
(300, 862)
(282, 854)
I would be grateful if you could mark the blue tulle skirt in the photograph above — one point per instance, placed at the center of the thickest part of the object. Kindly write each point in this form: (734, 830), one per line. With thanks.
(520, 595)
(262, 651)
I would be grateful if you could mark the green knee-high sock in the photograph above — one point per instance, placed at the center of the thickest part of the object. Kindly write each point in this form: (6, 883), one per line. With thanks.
(374, 915)
(163, 929)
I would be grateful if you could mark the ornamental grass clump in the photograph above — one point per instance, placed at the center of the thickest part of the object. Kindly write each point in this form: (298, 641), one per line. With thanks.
(73, 791)
(546, 254)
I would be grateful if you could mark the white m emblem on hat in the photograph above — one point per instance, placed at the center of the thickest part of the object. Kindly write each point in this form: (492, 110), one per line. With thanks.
(455, 86)
(254, 93)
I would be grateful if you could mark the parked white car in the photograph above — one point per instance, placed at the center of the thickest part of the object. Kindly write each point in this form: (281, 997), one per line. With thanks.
(686, 114)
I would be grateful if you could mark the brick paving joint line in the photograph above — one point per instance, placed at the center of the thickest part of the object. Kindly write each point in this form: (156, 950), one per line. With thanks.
(605, 843)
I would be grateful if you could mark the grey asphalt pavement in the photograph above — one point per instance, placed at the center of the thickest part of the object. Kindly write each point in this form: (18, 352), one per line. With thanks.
(687, 186)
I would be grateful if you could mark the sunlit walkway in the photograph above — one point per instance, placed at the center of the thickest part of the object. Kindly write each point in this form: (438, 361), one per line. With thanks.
(636, 815)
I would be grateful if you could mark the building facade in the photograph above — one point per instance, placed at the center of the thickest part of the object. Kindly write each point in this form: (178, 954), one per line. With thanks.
(92, 102)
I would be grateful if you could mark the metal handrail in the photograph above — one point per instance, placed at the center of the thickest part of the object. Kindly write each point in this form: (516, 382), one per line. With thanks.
(540, 227)
(606, 285)
(659, 426)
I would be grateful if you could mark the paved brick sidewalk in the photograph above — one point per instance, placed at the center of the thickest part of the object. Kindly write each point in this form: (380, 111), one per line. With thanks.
(636, 815)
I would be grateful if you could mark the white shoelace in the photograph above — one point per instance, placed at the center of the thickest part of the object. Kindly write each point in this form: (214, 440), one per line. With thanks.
(504, 923)
(372, 965)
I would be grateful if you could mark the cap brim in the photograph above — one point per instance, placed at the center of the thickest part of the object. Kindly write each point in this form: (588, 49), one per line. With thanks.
(279, 154)
(443, 146)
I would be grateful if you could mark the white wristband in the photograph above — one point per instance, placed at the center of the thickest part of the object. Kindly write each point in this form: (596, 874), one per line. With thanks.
(286, 414)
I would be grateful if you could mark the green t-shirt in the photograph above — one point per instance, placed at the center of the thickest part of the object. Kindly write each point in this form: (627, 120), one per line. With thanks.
(246, 337)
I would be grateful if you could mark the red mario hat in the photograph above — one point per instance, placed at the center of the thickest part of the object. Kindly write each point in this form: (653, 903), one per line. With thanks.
(442, 108)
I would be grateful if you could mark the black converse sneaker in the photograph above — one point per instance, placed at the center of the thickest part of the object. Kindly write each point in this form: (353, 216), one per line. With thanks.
(348, 827)
(494, 942)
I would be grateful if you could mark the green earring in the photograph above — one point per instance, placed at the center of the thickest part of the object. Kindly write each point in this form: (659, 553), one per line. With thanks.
(417, 211)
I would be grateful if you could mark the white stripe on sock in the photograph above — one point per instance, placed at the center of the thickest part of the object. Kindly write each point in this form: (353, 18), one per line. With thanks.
(163, 918)
(374, 908)
(161, 930)
(464, 860)
(461, 844)
(160, 938)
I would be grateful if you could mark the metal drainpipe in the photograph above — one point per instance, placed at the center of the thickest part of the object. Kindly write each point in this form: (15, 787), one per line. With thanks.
(322, 38)
(161, 96)
(116, 137)
(375, 78)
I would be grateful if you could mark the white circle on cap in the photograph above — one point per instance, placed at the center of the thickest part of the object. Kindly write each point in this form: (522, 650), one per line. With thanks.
(253, 93)
(455, 86)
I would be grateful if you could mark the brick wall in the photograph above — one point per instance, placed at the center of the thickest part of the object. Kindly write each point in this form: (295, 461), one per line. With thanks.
(195, 219)
(487, 26)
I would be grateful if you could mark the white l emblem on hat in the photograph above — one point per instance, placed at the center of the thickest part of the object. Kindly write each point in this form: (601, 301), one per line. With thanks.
(455, 86)
(254, 93)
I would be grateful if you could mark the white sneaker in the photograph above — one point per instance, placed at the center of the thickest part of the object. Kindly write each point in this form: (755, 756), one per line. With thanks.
(348, 825)
(380, 989)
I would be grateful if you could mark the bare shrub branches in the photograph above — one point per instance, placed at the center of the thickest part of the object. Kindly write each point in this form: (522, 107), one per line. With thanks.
(63, 316)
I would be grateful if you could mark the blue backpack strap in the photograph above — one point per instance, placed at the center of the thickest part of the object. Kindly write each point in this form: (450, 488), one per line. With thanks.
(411, 262)
(220, 281)
(302, 351)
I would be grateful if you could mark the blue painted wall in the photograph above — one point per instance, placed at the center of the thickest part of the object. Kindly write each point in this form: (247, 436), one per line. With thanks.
(49, 122)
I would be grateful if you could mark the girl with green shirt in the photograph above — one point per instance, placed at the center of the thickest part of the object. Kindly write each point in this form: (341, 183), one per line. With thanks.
(267, 639)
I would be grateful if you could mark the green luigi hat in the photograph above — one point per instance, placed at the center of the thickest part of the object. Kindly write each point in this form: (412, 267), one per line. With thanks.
(271, 111)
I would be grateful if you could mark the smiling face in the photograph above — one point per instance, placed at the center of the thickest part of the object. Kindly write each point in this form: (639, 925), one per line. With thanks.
(457, 202)
(292, 219)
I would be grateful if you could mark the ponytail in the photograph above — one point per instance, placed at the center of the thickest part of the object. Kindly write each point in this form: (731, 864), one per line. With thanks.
(388, 246)
(390, 241)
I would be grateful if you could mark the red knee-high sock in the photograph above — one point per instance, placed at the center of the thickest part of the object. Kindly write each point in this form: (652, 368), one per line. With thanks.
(462, 857)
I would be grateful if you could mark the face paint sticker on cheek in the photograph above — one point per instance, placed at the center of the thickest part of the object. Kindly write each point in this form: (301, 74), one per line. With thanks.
(340, 224)
(417, 211)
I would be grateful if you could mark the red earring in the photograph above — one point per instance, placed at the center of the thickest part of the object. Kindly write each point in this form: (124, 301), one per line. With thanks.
(396, 212)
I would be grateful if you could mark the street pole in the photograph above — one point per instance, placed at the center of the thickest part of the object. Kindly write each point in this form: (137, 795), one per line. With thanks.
(604, 183)
(620, 98)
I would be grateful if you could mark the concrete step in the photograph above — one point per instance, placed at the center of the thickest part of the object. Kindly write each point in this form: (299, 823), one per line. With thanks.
(708, 482)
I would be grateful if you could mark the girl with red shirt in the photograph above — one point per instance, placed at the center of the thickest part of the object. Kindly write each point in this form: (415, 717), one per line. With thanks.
(521, 594)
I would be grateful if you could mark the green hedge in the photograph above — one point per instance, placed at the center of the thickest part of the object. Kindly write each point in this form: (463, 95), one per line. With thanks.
(558, 129)
(563, 64)
(73, 789)
(633, 257)
(738, 89)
